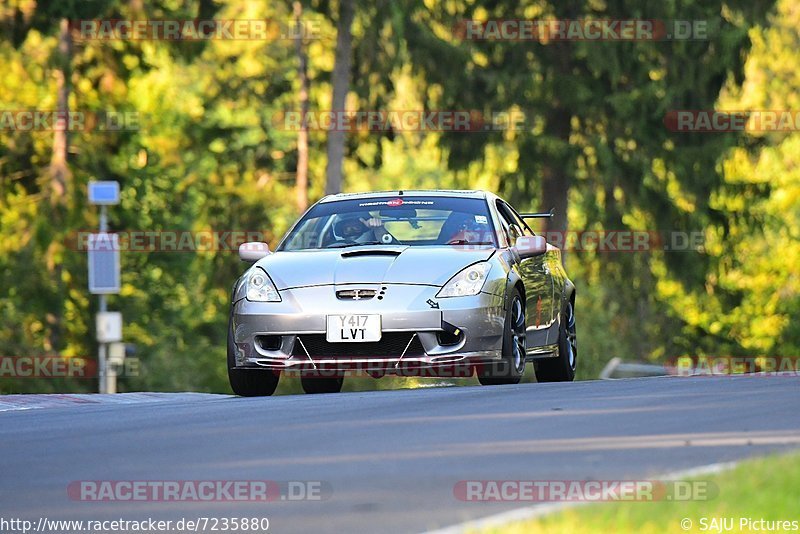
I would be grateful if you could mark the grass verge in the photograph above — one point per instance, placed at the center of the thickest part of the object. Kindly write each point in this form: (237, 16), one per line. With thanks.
(757, 489)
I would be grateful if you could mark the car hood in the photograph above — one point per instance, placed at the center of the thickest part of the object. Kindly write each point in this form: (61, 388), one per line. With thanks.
(385, 264)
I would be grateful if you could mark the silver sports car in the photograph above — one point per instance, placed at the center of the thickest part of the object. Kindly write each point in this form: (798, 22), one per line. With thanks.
(402, 282)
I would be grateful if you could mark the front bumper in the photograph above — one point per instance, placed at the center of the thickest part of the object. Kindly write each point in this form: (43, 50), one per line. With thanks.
(290, 334)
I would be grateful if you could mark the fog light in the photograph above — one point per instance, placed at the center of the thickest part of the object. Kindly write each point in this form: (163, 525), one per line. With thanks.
(269, 342)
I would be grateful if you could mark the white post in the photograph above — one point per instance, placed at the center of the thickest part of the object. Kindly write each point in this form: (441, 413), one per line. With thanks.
(104, 193)
(106, 377)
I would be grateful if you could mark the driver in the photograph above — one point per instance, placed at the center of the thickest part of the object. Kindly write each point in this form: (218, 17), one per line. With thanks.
(359, 229)
(464, 228)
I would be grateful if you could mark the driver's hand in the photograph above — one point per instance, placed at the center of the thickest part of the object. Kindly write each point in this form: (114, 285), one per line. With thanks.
(373, 222)
(376, 225)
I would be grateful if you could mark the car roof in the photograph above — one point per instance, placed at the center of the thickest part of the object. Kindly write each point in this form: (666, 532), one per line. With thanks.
(460, 193)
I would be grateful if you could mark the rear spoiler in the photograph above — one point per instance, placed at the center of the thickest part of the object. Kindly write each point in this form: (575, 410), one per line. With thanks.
(547, 215)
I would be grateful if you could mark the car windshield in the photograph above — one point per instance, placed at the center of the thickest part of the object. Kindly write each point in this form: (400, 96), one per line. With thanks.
(410, 220)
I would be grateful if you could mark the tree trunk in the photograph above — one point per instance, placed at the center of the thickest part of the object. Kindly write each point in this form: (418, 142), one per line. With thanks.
(59, 176)
(59, 170)
(555, 177)
(301, 183)
(341, 85)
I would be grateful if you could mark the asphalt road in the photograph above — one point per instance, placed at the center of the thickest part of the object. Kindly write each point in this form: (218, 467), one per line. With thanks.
(388, 461)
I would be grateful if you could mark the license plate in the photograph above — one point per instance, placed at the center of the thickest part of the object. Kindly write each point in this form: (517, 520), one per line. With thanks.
(353, 328)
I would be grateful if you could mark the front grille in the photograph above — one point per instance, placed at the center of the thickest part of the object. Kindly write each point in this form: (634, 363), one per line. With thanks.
(391, 345)
(356, 294)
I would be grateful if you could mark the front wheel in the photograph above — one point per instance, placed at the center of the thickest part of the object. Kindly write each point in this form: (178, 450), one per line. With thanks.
(249, 382)
(510, 368)
(562, 368)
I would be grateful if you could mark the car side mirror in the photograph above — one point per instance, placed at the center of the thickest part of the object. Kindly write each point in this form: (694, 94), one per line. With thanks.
(530, 246)
(253, 251)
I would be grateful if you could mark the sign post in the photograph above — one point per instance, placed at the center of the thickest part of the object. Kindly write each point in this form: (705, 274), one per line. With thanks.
(104, 279)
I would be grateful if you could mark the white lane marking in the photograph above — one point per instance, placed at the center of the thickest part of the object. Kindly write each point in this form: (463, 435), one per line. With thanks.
(7, 407)
(533, 512)
(10, 403)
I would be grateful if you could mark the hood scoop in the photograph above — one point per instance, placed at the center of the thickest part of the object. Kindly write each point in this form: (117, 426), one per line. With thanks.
(372, 252)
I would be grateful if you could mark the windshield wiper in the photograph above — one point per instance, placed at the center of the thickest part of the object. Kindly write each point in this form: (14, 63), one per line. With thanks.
(345, 245)
(468, 242)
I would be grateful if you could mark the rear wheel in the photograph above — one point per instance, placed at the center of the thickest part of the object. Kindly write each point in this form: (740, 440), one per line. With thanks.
(315, 384)
(509, 370)
(561, 368)
(249, 382)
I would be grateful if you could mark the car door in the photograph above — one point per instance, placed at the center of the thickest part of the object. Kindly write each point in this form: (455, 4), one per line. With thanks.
(536, 276)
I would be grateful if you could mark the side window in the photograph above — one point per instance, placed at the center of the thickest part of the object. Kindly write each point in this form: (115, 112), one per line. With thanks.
(504, 227)
(512, 226)
(514, 232)
(526, 230)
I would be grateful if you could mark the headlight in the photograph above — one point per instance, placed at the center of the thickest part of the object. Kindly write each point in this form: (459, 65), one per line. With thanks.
(260, 288)
(467, 282)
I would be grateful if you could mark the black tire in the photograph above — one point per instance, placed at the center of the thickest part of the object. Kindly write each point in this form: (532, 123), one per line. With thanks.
(510, 369)
(316, 384)
(561, 368)
(249, 382)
